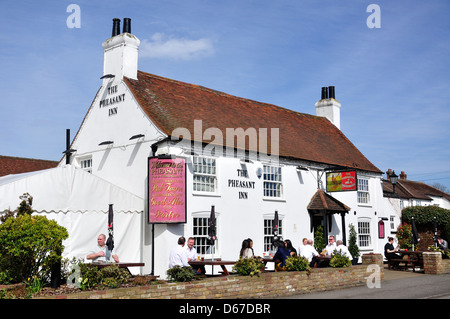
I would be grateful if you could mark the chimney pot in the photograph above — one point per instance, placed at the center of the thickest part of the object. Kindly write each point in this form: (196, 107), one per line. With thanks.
(331, 94)
(388, 174)
(116, 27)
(403, 175)
(127, 25)
(324, 93)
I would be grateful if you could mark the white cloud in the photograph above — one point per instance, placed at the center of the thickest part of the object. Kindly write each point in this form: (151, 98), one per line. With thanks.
(161, 46)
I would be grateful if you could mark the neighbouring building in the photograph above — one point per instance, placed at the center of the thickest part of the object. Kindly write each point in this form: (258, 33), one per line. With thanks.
(16, 165)
(407, 193)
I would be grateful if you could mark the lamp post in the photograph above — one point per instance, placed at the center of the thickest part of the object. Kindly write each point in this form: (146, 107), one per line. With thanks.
(393, 178)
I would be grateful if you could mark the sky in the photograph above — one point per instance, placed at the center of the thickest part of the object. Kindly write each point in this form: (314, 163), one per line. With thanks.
(389, 61)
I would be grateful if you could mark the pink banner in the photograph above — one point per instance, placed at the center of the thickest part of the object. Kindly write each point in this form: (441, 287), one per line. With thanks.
(167, 190)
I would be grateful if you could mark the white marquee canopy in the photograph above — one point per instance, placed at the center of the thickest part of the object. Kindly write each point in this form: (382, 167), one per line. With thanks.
(79, 201)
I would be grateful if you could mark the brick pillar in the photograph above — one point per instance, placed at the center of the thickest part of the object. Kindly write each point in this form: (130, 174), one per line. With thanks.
(432, 262)
(369, 259)
(373, 259)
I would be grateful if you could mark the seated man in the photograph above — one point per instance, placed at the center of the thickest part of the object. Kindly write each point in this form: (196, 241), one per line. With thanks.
(442, 244)
(100, 252)
(309, 252)
(340, 247)
(178, 255)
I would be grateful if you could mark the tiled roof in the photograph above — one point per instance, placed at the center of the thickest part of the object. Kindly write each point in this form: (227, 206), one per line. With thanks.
(173, 104)
(410, 189)
(323, 201)
(17, 165)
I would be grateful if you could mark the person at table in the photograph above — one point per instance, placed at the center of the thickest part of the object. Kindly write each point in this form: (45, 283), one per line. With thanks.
(292, 250)
(340, 247)
(304, 243)
(280, 257)
(329, 249)
(442, 244)
(100, 252)
(178, 256)
(246, 250)
(191, 251)
(309, 252)
(389, 252)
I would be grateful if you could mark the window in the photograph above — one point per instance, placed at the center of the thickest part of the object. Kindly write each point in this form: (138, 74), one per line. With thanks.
(273, 186)
(363, 191)
(205, 178)
(364, 239)
(268, 234)
(392, 223)
(86, 164)
(200, 231)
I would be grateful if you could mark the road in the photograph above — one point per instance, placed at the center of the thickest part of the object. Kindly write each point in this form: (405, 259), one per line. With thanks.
(397, 285)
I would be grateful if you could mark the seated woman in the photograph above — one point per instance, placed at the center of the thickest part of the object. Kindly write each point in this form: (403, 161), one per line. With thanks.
(246, 249)
(389, 252)
(281, 255)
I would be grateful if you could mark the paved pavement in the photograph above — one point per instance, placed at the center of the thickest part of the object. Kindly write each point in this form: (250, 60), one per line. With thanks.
(396, 285)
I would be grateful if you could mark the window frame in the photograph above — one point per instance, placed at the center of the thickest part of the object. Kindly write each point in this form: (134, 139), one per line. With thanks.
(204, 182)
(363, 193)
(365, 233)
(272, 182)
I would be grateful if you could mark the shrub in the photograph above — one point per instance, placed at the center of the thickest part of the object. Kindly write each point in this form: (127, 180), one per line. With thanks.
(297, 263)
(338, 260)
(110, 277)
(179, 273)
(248, 266)
(352, 246)
(319, 239)
(404, 236)
(29, 247)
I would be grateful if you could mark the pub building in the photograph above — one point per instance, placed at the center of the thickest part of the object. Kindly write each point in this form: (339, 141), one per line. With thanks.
(185, 149)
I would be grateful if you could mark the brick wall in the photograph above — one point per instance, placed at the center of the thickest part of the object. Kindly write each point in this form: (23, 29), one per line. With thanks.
(434, 264)
(267, 285)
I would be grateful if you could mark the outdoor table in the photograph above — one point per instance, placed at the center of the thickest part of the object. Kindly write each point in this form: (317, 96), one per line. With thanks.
(119, 264)
(317, 260)
(414, 258)
(214, 262)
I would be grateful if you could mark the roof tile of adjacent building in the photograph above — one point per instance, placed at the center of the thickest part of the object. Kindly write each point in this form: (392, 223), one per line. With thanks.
(408, 189)
(17, 165)
(173, 104)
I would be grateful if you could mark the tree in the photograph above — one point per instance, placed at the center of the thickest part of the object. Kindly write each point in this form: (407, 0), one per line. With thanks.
(29, 245)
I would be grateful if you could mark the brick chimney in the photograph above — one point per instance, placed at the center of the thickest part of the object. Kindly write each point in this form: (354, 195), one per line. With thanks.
(403, 175)
(388, 174)
(121, 52)
(328, 107)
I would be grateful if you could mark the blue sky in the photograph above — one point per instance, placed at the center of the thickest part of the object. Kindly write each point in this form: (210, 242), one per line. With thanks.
(393, 82)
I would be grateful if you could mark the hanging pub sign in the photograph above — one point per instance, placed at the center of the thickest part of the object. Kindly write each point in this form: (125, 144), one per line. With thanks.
(341, 181)
(381, 229)
(166, 190)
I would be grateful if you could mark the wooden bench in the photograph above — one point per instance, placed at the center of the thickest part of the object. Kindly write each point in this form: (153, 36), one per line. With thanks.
(408, 263)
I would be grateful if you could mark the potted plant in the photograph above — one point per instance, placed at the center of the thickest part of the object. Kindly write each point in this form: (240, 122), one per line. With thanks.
(319, 240)
(352, 246)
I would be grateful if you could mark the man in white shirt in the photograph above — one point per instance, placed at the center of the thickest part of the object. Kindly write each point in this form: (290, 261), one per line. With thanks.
(178, 255)
(343, 249)
(191, 252)
(308, 250)
(100, 252)
(329, 249)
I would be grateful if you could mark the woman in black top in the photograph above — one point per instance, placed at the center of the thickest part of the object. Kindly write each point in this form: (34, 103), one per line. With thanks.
(389, 251)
